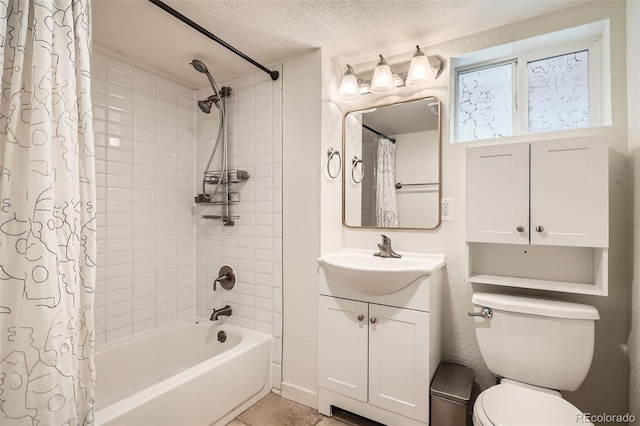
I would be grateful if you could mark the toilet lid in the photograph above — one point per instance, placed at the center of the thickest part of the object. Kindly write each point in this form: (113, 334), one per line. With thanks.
(508, 405)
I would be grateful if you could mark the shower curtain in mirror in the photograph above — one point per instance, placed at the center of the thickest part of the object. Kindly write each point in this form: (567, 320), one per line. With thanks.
(47, 214)
(386, 200)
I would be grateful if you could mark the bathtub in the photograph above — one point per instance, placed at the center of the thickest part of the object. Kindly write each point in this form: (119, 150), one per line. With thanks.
(181, 375)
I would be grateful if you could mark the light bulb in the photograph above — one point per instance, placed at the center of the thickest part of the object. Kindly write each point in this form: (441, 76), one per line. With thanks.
(349, 90)
(420, 70)
(382, 78)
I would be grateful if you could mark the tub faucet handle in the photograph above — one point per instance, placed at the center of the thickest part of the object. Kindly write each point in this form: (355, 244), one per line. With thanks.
(226, 278)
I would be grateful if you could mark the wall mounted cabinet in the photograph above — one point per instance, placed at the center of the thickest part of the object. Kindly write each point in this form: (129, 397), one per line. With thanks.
(523, 199)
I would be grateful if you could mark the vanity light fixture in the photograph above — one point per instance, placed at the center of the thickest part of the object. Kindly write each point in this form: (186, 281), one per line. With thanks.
(420, 70)
(349, 89)
(382, 78)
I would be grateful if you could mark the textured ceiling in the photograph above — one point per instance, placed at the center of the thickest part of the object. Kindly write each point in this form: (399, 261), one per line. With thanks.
(272, 30)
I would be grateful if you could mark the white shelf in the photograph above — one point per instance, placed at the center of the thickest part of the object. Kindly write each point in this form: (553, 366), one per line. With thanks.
(563, 286)
(565, 269)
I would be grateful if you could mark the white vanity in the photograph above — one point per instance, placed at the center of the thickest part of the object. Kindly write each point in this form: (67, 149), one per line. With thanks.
(379, 334)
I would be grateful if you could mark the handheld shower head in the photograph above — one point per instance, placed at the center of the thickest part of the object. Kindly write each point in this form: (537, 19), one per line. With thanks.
(199, 66)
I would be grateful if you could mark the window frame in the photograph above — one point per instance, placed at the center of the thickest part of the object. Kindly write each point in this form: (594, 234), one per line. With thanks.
(520, 92)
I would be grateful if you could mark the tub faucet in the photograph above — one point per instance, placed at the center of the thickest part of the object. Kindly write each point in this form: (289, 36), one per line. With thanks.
(385, 248)
(226, 311)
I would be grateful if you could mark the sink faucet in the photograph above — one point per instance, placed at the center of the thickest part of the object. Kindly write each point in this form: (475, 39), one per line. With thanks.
(226, 311)
(385, 248)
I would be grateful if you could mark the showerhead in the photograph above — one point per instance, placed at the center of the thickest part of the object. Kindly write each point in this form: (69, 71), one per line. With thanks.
(205, 105)
(199, 66)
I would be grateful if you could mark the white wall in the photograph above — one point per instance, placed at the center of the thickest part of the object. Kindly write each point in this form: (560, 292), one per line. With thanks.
(606, 387)
(301, 224)
(253, 247)
(633, 86)
(417, 162)
(145, 134)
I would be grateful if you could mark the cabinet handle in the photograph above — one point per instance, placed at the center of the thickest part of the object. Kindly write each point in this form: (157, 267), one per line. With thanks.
(520, 228)
(360, 317)
(373, 320)
(539, 228)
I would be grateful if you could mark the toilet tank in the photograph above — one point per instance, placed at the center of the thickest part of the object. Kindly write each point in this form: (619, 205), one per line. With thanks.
(542, 342)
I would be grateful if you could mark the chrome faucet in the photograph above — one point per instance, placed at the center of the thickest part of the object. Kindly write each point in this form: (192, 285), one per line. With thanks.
(385, 248)
(226, 312)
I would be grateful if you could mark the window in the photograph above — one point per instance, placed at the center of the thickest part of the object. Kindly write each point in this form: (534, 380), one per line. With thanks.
(558, 92)
(543, 85)
(485, 102)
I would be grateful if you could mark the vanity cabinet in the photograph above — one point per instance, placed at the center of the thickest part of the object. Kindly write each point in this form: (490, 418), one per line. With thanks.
(537, 214)
(378, 350)
(376, 354)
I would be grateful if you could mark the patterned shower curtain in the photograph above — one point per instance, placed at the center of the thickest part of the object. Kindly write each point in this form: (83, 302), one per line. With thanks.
(47, 214)
(386, 200)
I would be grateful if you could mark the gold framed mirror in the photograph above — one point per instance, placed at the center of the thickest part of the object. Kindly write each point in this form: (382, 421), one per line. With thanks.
(392, 168)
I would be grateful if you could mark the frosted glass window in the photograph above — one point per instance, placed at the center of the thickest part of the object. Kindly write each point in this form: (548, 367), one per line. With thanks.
(558, 90)
(485, 103)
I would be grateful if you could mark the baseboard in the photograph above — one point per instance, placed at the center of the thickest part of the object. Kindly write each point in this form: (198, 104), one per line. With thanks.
(301, 395)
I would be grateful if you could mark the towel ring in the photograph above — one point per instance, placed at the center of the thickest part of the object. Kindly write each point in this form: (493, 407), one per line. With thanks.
(331, 153)
(354, 164)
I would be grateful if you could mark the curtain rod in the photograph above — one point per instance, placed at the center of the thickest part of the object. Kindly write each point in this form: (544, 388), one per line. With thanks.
(378, 133)
(274, 74)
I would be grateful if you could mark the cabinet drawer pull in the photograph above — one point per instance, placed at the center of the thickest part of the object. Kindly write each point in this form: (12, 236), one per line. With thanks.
(360, 317)
(539, 228)
(520, 228)
(373, 320)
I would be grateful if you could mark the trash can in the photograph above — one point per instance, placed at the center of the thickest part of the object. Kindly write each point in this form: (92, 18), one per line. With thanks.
(451, 395)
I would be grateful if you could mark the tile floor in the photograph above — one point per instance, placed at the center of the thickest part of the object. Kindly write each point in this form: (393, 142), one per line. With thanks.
(273, 410)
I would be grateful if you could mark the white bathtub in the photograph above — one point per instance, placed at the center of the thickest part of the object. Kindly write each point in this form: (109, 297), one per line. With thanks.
(181, 375)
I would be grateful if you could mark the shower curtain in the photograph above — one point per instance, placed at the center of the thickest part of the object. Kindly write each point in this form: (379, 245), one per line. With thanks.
(386, 200)
(47, 214)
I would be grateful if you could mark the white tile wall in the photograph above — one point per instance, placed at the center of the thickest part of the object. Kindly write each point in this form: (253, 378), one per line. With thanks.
(145, 148)
(254, 246)
(151, 142)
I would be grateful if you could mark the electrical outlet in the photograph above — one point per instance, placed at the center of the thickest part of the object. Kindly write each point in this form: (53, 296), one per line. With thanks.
(447, 209)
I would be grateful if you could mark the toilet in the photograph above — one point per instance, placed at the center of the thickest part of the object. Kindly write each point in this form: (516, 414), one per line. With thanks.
(537, 347)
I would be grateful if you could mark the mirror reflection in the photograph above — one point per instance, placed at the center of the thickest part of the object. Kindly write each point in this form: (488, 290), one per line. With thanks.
(392, 173)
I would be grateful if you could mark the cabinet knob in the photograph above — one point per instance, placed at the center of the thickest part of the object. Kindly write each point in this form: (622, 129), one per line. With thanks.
(539, 228)
(360, 317)
(373, 320)
(520, 228)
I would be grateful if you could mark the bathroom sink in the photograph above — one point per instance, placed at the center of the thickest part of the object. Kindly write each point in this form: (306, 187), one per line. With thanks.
(365, 273)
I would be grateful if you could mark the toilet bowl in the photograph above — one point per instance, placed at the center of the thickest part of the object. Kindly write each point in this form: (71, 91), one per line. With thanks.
(511, 403)
(536, 346)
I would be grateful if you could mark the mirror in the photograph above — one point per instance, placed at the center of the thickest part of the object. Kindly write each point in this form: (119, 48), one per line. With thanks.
(391, 170)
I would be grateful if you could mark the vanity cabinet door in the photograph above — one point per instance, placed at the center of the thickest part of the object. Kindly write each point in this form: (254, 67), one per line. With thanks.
(497, 194)
(569, 192)
(342, 360)
(399, 361)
